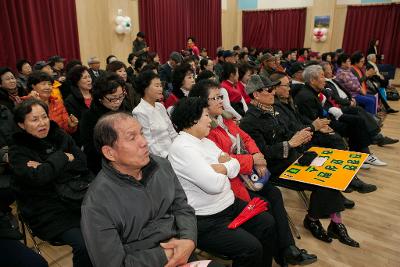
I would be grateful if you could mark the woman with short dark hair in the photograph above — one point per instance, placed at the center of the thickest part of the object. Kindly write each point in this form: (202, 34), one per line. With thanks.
(152, 115)
(119, 68)
(43, 159)
(108, 95)
(182, 82)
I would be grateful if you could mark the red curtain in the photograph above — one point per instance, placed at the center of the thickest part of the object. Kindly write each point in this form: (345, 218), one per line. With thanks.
(36, 30)
(167, 24)
(382, 22)
(275, 29)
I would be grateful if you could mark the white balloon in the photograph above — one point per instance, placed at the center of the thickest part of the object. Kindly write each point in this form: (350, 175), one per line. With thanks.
(128, 19)
(316, 30)
(119, 19)
(119, 29)
(315, 38)
(127, 29)
(324, 31)
(323, 38)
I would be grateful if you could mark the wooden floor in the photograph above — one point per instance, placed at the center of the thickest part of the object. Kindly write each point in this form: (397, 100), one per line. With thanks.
(374, 221)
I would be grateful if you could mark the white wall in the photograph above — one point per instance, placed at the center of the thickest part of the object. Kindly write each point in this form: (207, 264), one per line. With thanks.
(271, 4)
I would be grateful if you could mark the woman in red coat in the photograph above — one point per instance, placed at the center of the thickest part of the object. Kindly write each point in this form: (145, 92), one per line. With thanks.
(224, 134)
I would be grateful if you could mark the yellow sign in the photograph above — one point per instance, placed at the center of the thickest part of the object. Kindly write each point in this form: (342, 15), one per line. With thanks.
(332, 168)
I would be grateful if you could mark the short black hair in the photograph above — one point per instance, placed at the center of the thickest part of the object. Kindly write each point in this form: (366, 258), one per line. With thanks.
(187, 112)
(228, 69)
(356, 57)
(143, 81)
(115, 65)
(76, 73)
(104, 131)
(131, 56)
(25, 107)
(21, 63)
(325, 55)
(139, 63)
(236, 47)
(202, 88)
(72, 63)
(243, 68)
(107, 84)
(191, 38)
(149, 67)
(203, 63)
(108, 59)
(140, 34)
(277, 75)
(36, 77)
(342, 58)
(4, 70)
(205, 75)
(178, 76)
(302, 50)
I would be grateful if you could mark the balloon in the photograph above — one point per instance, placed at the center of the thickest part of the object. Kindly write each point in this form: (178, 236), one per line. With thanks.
(119, 29)
(323, 38)
(127, 29)
(315, 38)
(127, 19)
(315, 31)
(324, 31)
(119, 20)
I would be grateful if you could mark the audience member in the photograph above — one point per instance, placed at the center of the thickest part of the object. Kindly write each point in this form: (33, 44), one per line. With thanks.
(192, 46)
(45, 161)
(57, 64)
(110, 59)
(10, 93)
(182, 82)
(233, 99)
(166, 71)
(152, 115)
(146, 220)
(108, 95)
(94, 68)
(139, 46)
(207, 187)
(24, 68)
(268, 65)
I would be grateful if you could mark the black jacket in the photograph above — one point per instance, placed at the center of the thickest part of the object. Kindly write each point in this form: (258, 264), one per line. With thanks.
(46, 214)
(75, 103)
(5, 99)
(127, 228)
(271, 138)
(87, 123)
(308, 104)
(137, 48)
(331, 91)
(94, 77)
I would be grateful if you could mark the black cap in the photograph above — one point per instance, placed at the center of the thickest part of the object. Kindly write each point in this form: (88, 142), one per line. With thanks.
(56, 58)
(227, 53)
(295, 68)
(40, 65)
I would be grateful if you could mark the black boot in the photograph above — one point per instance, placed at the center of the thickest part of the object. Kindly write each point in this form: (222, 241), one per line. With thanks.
(295, 256)
(361, 187)
(316, 229)
(339, 231)
(348, 204)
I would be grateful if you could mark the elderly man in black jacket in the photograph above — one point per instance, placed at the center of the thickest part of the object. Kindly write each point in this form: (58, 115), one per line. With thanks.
(135, 212)
(281, 146)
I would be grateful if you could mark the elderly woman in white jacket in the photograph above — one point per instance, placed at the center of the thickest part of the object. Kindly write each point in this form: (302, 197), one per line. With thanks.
(203, 170)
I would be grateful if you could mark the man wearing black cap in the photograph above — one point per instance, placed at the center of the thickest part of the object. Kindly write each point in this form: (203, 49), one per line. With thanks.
(296, 72)
(268, 64)
(218, 68)
(140, 48)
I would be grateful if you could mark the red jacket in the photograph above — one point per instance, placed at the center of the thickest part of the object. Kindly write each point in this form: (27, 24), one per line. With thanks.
(234, 94)
(171, 100)
(219, 136)
(59, 114)
(242, 89)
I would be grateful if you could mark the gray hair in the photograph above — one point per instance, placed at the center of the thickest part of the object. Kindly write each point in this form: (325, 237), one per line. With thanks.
(104, 131)
(371, 56)
(312, 72)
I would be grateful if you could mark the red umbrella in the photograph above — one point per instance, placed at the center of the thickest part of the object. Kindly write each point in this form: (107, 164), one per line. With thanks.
(254, 207)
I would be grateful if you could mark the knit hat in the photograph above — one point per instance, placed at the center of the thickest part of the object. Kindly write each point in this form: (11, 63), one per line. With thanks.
(267, 57)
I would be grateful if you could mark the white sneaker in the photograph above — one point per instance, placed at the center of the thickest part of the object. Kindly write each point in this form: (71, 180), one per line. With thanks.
(365, 166)
(373, 160)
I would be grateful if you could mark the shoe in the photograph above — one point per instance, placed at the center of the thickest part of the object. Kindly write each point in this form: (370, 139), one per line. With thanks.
(339, 231)
(295, 256)
(316, 229)
(387, 141)
(358, 185)
(390, 110)
(373, 160)
(348, 204)
(8, 230)
(365, 166)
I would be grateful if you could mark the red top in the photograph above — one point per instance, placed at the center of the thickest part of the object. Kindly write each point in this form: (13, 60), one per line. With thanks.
(171, 100)
(242, 90)
(234, 93)
(220, 137)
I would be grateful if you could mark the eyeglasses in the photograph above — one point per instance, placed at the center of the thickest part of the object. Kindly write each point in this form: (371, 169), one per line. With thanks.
(220, 97)
(116, 99)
